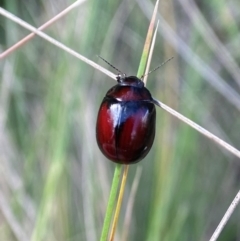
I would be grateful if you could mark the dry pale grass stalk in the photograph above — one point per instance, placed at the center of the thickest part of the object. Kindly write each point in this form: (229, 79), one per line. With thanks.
(55, 42)
(45, 25)
(150, 54)
(200, 129)
(226, 217)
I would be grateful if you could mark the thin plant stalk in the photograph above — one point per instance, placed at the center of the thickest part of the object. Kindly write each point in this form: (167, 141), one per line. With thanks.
(145, 53)
(200, 129)
(150, 55)
(44, 26)
(119, 202)
(226, 217)
(111, 203)
(55, 42)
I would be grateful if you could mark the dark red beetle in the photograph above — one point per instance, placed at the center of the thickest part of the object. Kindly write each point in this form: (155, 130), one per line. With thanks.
(126, 121)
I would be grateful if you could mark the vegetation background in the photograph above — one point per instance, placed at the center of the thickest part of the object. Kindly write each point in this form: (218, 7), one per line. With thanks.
(54, 181)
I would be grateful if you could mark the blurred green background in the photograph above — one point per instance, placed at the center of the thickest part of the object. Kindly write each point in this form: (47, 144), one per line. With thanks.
(54, 181)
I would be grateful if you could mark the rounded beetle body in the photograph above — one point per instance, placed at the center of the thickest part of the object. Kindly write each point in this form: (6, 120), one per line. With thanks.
(126, 119)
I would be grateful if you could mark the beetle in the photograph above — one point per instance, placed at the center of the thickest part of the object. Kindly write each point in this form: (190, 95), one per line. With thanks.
(126, 120)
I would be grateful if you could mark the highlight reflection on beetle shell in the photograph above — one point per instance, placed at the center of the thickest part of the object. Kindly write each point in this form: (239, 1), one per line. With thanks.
(125, 128)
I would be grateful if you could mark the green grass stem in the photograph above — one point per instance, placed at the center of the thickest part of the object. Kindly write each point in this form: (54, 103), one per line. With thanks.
(111, 202)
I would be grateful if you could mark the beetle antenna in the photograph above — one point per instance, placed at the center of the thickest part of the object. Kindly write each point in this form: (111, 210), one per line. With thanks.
(157, 67)
(110, 64)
